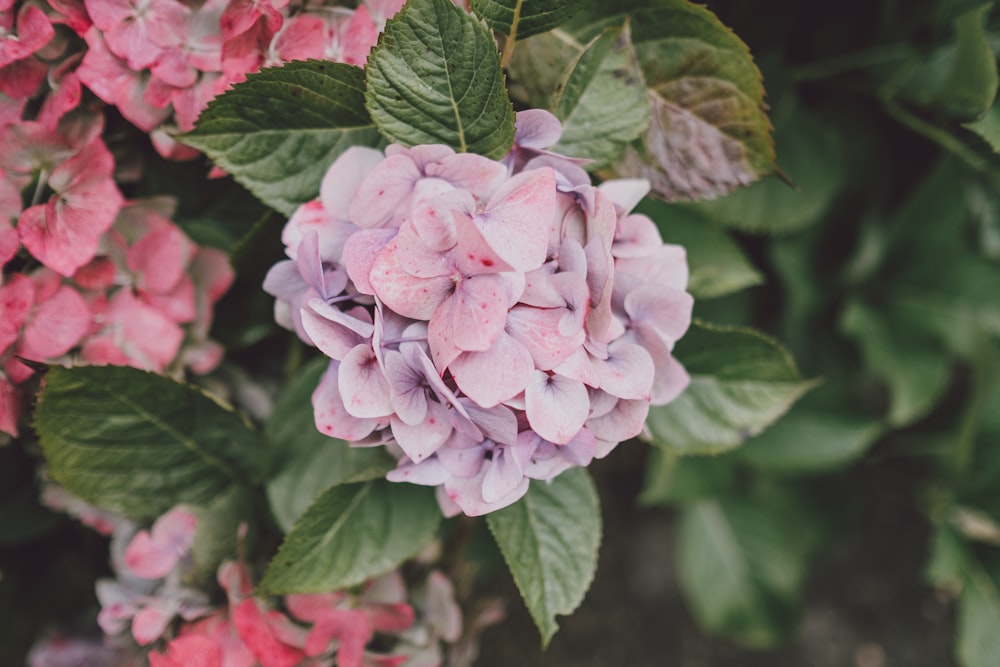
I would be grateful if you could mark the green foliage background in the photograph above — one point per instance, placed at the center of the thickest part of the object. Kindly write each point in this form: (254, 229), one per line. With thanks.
(848, 306)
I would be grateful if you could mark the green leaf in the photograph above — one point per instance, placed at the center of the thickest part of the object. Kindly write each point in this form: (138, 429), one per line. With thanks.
(217, 213)
(540, 65)
(217, 537)
(716, 263)
(523, 18)
(279, 131)
(311, 461)
(602, 102)
(960, 79)
(741, 381)
(936, 232)
(988, 127)
(811, 153)
(975, 443)
(139, 443)
(351, 533)
(708, 132)
(742, 563)
(978, 632)
(435, 78)
(671, 479)
(949, 559)
(914, 367)
(807, 440)
(550, 540)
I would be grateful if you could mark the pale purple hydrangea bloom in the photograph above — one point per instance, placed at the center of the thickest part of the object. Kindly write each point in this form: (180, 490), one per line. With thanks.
(490, 322)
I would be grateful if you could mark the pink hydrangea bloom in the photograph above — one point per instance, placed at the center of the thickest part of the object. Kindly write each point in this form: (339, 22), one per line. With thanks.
(491, 322)
(321, 629)
(161, 62)
(144, 298)
(63, 233)
(20, 38)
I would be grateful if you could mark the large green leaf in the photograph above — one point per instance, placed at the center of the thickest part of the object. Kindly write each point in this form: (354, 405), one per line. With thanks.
(539, 66)
(741, 381)
(279, 131)
(914, 367)
(708, 132)
(602, 102)
(959, 79)
(351, 533)
(550, 540)
(312, 462)
(716, 263)
(956, 568)
(435, 78)
(988, 127)
(811, 154)
(138, 443)
(978, 635)
(934, 232)
(670, 479)
(742, 563)
(522, 18)
(808, 440)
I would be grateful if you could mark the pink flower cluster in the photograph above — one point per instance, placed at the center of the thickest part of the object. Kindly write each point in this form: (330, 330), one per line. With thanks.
(160, 62)
(150, 603)
(489, 321)
(143, 298)
(317, 630)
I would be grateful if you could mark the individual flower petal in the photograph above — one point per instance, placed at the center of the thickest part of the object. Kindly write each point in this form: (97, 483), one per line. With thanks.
(503, 475)
(341, 182)
(515, 220)
(152, 555)
(159, 259)
(135, 334)
(260, 638)
(626, 193)
(150, 622)
(627, 372)
(421, 440)
(624, 421)
(333, 331)
(10, 406)
(17, 296)
(429, 472)
(412, 297)
(382, 193)
(557, 407)
(467, 493)
(363, 385)
(331, 416)
(56, 326)
(537, 329)
(407, 388)
(33, 31)
(494, 375)
(476, 311)
(667, 310)
(63, 234)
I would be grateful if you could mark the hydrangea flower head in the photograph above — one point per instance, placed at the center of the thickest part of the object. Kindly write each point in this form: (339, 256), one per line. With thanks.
(490, 322)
